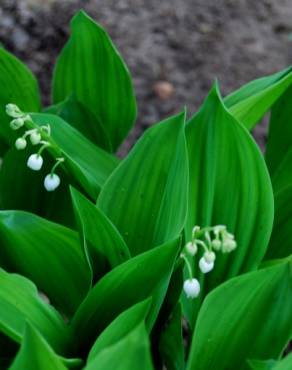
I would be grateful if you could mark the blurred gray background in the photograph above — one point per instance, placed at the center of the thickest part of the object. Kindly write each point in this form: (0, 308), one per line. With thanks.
(174, 48)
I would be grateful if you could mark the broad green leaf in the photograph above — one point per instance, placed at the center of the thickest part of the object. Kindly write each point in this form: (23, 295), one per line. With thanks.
(91, 68)
(131, 352)
(129, 283)
(284, 364)
(18, 86)
(120, 327)
(76, 114)
(282, 177)
(279, 141)
(146, 196)
(281, 240)
(229, 185)
(247, 317)
(89, 165)
(171, 344)
(250, 102)
(23, 189)
(19, 303)
(35, 353)
(48, 254)
(102, 242)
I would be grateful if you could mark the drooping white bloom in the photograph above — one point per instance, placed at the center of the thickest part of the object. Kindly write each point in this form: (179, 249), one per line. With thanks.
(35, 162)
(20, 143)
(13, 111)
(228, 245)
(209, 256)
(192, 288)
(216, 244)
(191, 248)
(205, 266)
(16, 123)
(35, 138)
(52, 181)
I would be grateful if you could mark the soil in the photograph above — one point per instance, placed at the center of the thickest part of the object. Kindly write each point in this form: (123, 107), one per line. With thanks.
(174, 48)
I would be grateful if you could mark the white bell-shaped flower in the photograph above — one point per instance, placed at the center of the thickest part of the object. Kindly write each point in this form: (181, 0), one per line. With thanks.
(205, 266)
(209, 256)
(192, 288)
(16, 123)
(191, 248)
(20, 143)
(13, 111)
(228, 245)
(35, 138)
(35, 162)
(52, 181)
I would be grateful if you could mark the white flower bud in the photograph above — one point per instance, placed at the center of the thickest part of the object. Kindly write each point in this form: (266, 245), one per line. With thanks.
(20, 143)
(16, 123)
(52, 181)
(191, 248)
(35, 162)
(228, 245)
(192, 288)
(205, 266)
(35, 138)
(216, 244)
(13, 111)
(209, 256)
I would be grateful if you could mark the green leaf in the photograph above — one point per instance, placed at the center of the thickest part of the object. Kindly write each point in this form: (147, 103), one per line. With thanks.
(129, 283)
(102, 242)
(279, 141)
(48, 254)
(249, 103)
(249, 316)
(35, 353)
(282, 177)
(19, 303)
(229, 185)
(171, 344)
(120, 327)
(281, 240)
(18, 86)
(76, 114)
(131, 352)
(146, 196)
(284, 364)
(91, 68)
(89, 165)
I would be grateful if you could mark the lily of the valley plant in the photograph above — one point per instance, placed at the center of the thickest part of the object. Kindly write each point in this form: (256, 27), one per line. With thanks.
(176, 257)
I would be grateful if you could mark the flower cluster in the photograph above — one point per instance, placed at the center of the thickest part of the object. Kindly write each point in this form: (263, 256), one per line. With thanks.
(35, 161)
(211, 240)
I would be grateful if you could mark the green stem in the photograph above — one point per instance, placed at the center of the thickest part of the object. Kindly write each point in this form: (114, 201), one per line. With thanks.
(189, 267)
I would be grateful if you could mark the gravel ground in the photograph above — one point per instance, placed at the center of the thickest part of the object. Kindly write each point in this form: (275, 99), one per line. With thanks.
(174, 48)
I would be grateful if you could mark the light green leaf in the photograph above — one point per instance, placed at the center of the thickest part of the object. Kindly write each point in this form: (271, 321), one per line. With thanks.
(171, 344)
(131, 352)
(35, 353)
(229, 185)
(249, 316)
(18, 86)
(284, 364)
(78, 116)
(146, 196)
(90, 67)
(279, 141)
(19, 303)
(102, 242)
(120, 327)
(250, 102)
(89, 165)
(129, 283)
(48, 254)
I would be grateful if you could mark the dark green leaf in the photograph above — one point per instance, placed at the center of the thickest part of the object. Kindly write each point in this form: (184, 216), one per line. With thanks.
(249, 103)
(229, 185)
(91, 68)
(129, 283)
(20, 302)
(120, 327)
(102, 242)
(48, 254)
(284, 364)
(249, 316)
(131, 352)
(18, 86)
(146, 196)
